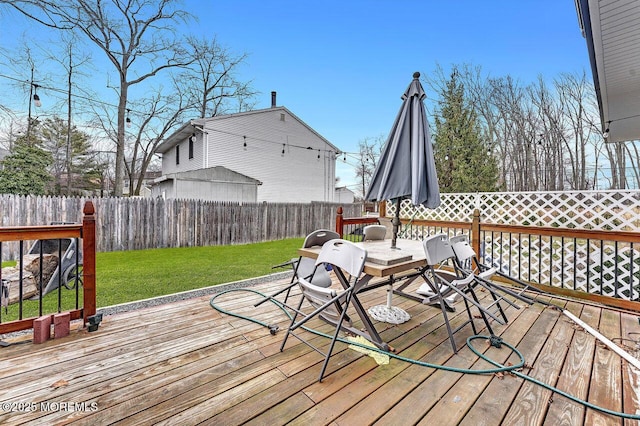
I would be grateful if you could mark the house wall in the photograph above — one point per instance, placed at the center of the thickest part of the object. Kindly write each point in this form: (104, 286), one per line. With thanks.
(197, 162)
(344, 195)
(212, 184)
(214, 191)
(298, 175)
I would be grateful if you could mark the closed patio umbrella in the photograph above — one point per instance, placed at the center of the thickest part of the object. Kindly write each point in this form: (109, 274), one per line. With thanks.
(406, 168)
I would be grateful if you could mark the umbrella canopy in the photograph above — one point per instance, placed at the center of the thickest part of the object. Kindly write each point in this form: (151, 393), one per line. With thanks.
(406, 168)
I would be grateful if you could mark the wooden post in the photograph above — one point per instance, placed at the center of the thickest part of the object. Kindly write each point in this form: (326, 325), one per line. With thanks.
(475, 232)
(382, 208)
(89, 260)
(339, 221)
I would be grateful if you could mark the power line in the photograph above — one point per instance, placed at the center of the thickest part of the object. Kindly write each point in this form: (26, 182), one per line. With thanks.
(92, 100)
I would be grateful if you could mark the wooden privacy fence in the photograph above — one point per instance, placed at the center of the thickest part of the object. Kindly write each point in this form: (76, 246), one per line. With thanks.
(141, 223)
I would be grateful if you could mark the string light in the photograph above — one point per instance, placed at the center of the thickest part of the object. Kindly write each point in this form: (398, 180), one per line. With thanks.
(36, 98)
(283, 146)
(129, 123)
(245, 143)
(606, 131)
(318, 154)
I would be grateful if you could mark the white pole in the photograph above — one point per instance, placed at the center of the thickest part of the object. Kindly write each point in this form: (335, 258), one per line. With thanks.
(631, 360)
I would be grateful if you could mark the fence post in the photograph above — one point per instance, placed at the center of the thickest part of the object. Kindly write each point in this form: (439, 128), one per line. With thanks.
(475, 232)
(339, 221)
(382, 208)
(89, 260)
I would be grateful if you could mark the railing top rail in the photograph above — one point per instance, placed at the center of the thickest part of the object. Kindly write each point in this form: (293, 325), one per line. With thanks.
(605, 235)
(443, 223)
(17, 233)
(363, 219)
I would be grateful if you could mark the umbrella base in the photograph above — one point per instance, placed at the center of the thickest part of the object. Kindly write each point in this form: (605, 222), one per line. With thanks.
(391, 315)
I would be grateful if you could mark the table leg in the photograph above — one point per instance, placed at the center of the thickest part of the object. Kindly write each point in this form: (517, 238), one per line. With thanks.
(373, 335)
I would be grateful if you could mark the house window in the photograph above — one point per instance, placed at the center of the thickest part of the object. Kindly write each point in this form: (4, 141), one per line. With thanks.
(191, 148)
(177, 154)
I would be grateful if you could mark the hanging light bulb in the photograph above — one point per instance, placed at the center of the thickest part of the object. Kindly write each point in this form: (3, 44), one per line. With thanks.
(318, 154)
(283, 145)
(245, 143)
(36, 98)
(606, 131)
(128, 120)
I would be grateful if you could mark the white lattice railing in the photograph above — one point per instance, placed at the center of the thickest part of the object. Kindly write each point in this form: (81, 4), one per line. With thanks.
(598, 210)
(597, 266)
(609, 268)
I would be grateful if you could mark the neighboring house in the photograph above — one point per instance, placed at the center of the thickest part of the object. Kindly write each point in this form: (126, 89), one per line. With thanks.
(286, 159)
(149, 178)
(344, 195)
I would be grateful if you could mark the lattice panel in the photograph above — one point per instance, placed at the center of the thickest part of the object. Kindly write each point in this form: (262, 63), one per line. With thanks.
(603, 210)
(608, 270)
(453, 207)
(595, 267)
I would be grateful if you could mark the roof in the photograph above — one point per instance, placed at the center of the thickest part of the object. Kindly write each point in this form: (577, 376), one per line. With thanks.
(189, 127)
(212, 174)
(612, 31)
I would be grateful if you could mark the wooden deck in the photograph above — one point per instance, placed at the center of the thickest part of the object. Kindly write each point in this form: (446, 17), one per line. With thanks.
(185, 363)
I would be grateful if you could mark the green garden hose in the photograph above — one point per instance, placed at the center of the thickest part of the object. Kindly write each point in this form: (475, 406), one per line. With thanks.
(494, 341)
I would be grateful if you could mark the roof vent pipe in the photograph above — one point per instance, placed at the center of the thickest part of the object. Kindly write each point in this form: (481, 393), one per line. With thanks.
(273, 99)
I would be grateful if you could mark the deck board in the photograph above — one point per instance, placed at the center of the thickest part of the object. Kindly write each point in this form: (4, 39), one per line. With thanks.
(606, 373)
(185, 363)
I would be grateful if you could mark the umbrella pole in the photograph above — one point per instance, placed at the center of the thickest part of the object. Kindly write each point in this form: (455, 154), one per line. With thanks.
(396, 224)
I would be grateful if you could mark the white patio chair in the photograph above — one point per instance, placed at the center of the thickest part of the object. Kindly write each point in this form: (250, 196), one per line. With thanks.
(327, 303)
(444, 284)
(305, 266)
(467, 262)
(374, 232)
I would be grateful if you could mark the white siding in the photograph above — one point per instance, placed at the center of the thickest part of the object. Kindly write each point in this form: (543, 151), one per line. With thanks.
(298, 175)
(169, 157)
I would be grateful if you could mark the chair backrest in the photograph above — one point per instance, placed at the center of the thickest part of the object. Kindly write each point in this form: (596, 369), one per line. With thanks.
(343, 254)
(319, 237)
(437, 249)
(374, 232)
(463, 250)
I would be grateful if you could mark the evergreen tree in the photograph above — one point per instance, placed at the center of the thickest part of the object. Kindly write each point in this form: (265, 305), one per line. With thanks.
(463, 159)
(73, 169)
(24, 171)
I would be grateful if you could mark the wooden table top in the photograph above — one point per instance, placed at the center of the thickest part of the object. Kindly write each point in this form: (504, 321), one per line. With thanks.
(382, 260)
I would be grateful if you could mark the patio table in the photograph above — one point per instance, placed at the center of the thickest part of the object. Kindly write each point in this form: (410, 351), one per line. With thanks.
(382, 262)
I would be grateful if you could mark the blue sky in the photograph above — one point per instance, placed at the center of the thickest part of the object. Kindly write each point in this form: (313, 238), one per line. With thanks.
(341, 66)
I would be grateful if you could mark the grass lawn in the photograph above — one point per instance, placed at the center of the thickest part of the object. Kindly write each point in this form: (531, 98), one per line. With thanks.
(126, 276)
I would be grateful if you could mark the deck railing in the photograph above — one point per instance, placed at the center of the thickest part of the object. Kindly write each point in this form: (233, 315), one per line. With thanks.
(350, 228)
(597, 265)
(21, 314)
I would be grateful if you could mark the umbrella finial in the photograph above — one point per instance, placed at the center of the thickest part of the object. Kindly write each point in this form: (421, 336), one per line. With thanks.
(416, 74)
